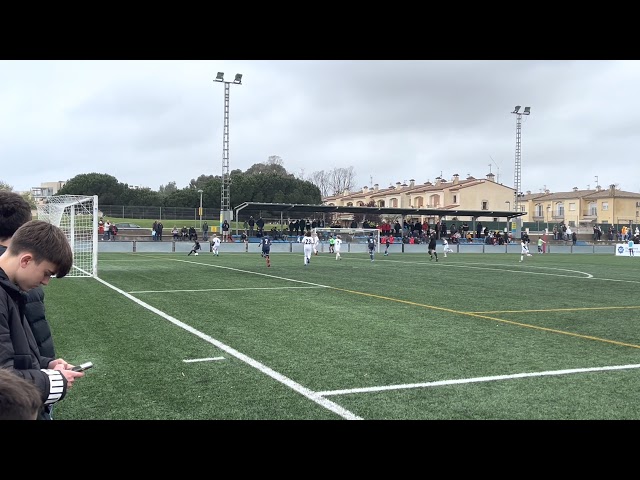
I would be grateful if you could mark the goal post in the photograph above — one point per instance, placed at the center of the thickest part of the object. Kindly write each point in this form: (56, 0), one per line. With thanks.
(349, 235)
(77, 217)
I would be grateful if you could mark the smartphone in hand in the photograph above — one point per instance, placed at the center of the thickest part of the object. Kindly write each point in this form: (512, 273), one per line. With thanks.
(82, 367)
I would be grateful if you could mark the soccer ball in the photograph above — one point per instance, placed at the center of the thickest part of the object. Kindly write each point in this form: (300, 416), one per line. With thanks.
(196, 254)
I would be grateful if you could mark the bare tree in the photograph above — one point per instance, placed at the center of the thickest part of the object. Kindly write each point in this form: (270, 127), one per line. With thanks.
(334, 182)
(321, 180)
(342, 179)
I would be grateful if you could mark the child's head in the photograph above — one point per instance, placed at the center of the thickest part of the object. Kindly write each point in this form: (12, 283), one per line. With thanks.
(38, 250)
(15, 211)
(19, 399)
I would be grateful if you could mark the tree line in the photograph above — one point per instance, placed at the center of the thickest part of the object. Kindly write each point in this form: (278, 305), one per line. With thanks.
(267, 182)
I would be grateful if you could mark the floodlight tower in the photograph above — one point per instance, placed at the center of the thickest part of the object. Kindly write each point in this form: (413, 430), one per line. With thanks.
(518, 168)
(225, 202)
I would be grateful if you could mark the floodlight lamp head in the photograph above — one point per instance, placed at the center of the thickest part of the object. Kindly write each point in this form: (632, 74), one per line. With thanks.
(515, 110)
(527, 111)
(220, 77)
(238, 78)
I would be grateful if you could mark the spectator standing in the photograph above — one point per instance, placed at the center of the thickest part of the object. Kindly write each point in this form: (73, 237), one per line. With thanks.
(38, 251)
(225, 231)
(205, 231)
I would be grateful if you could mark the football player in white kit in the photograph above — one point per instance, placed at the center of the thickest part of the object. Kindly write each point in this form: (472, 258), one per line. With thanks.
(525, 249)
(307, 245)
(215, 244)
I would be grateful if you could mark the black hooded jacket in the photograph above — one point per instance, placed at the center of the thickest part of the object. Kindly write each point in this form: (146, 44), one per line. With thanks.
(19, 350)
(35, 313)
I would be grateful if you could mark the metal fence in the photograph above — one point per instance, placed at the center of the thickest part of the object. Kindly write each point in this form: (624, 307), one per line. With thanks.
(158, 213)
(295, 247)
(186, 213)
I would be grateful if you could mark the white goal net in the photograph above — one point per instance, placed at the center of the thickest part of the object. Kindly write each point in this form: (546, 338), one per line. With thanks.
(77, 216)
(349, 235)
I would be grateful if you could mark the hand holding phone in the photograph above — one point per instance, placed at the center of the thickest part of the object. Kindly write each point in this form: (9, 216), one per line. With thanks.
(82, 367)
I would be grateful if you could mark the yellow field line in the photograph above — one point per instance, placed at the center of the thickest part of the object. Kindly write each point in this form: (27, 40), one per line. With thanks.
(478, 315)
(560, 309)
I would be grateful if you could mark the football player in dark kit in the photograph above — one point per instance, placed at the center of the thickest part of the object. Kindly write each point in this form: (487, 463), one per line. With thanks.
(266, 248)
(432, 246)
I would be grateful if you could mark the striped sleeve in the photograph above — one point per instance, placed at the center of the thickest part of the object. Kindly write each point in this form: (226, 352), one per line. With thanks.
(56, 386)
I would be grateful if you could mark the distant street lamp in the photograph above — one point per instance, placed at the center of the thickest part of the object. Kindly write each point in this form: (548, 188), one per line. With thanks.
(548, 216)
(507, 201)
(200, 212)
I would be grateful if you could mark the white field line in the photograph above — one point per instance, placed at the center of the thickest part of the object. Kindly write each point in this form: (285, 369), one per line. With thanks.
(319, 395)
(203, 359)
(473, 380)
(494, 265)
(253, 273)
(218, 289)
(328, 404)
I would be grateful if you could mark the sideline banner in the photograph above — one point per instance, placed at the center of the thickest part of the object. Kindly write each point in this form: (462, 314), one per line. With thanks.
(622, 250)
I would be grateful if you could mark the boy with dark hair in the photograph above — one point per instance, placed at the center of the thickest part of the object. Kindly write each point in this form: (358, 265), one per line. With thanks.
(19, 400)
(14, 212)
(38, 251)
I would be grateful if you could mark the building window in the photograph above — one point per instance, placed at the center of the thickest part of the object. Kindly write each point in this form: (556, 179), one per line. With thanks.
(455, 199)
(605, 206)
(484, 205)
(572, 207)
(560, 209)
(538, 210)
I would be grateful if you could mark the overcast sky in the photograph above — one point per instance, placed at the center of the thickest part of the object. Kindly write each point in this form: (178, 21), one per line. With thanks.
(149, 123)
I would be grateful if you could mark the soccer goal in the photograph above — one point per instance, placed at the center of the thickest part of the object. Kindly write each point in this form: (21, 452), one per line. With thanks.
(77, 216)
(349, 235)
